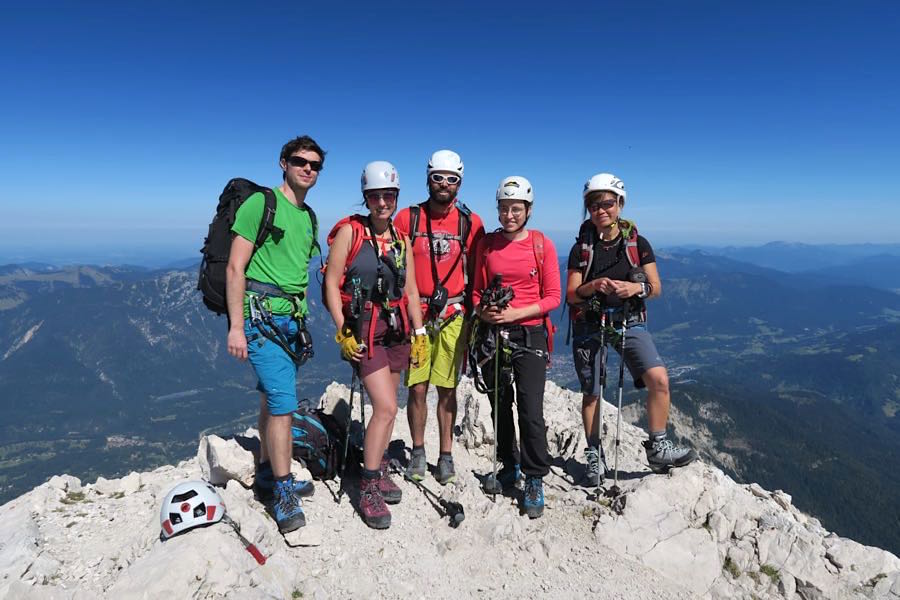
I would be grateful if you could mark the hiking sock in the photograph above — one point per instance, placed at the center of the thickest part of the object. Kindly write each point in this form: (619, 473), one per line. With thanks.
(264, 466)
(371, 474)
(419, 448)
(594, 441)
(658, 436)
(445, 455)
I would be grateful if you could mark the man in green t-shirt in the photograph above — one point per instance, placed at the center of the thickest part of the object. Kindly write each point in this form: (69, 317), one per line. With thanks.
(273, 280)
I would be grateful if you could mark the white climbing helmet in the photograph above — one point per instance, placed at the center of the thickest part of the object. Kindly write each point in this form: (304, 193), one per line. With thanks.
(515, 188)
(190, 504)
(605, 182)
(379, 175)
(446, 160)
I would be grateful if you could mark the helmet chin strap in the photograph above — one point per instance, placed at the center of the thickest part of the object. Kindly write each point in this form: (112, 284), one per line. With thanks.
(616, 225)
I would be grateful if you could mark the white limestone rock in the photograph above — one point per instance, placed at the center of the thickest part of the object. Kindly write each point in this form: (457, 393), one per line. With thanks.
(221, 460)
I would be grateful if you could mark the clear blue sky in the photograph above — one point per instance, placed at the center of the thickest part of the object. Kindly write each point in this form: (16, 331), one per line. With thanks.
(730, 123)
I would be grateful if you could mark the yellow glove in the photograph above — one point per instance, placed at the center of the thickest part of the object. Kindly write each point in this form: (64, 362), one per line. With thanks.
(419, 351)
(347, 341)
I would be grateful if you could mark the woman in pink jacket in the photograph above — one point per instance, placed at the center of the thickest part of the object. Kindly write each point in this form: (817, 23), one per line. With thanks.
(524, 261)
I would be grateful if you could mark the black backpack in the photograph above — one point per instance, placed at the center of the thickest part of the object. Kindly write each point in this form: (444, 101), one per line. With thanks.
(217, 245)
(317, 438)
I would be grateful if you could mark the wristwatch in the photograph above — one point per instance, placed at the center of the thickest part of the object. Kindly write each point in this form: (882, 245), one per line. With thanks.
(644, 291)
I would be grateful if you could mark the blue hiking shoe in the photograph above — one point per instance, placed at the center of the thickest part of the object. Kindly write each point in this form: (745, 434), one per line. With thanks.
(264, 484)
(533, 503)
(288, 508)
(509, 476)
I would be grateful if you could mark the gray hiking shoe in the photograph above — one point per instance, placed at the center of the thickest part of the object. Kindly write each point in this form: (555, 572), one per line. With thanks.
(664, 454)
(417, 466)
(595, 473)
(445, 472)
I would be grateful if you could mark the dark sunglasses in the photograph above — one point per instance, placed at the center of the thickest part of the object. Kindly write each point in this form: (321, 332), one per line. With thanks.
(387, 197)
(300, 162)
(603, 204)
(439, 178)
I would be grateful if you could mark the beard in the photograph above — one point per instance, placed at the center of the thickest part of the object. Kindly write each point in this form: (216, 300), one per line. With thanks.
(438, 199)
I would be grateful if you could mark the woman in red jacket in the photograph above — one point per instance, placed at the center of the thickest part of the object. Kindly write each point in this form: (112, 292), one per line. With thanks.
(526, 262)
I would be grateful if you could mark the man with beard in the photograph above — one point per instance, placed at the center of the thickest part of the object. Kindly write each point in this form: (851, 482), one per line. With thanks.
(443, 233)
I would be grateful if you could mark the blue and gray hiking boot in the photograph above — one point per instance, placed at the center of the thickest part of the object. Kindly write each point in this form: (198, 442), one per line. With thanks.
(595, 471)
(288, 508)
(264, 484)
(533, 502)
(445, 473)
(509, 476)
(663, 454)
(417, 466)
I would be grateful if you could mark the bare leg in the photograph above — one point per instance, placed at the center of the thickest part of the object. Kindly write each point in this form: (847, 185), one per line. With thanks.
(446, 417)
(657, 380)
(381, 387)
(278, 442)
(417, 412)
(589, 417)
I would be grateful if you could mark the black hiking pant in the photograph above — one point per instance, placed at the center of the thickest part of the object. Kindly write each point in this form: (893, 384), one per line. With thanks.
(529, 375)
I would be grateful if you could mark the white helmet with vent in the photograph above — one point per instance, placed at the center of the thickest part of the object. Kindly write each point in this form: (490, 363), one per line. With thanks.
(605, 182)
(190, 504)
(446, 160)
(515, 188)
(379, 175)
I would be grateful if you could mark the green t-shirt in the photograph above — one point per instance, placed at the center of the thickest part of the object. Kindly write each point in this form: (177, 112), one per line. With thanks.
(281, 260)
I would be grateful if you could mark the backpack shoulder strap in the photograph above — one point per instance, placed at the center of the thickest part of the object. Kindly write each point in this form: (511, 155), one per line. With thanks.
(537, 245)
(465, 223)
(414, 212)
(630, 235)
(587, 237)
(267, 222)
(315, 226)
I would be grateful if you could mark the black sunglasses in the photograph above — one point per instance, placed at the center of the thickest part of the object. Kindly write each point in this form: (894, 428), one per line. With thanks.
(300, 162)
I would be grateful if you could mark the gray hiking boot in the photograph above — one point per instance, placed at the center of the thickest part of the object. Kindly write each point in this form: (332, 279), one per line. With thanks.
(664, 454)
(445, 472)
(417, 466)
(595, 473)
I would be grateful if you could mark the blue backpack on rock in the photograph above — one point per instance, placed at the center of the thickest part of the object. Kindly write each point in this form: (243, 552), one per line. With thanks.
(317, 439)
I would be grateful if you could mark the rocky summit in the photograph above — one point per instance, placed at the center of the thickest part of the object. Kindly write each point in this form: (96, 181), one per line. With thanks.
(694, 533)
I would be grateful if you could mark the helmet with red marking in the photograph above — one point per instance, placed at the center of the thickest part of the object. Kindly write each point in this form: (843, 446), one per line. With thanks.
(190, 504)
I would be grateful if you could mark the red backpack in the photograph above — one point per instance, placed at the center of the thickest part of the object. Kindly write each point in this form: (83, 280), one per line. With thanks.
(361, 234)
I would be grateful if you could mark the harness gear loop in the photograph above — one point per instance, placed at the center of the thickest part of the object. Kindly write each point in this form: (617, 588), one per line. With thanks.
(262, 319)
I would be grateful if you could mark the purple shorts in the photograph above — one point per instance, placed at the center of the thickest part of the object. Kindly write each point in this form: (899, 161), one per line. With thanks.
(390, 349)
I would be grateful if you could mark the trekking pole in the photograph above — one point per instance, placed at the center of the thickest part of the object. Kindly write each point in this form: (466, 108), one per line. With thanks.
(603, 357)
(353, 380)
(446, 508)
(618, 503)
(494, 484)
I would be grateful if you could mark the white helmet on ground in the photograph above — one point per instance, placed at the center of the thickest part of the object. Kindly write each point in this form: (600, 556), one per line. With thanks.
(190, 504)
(379, 175)
(515, 188)
(446, 160)
(605, 182)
